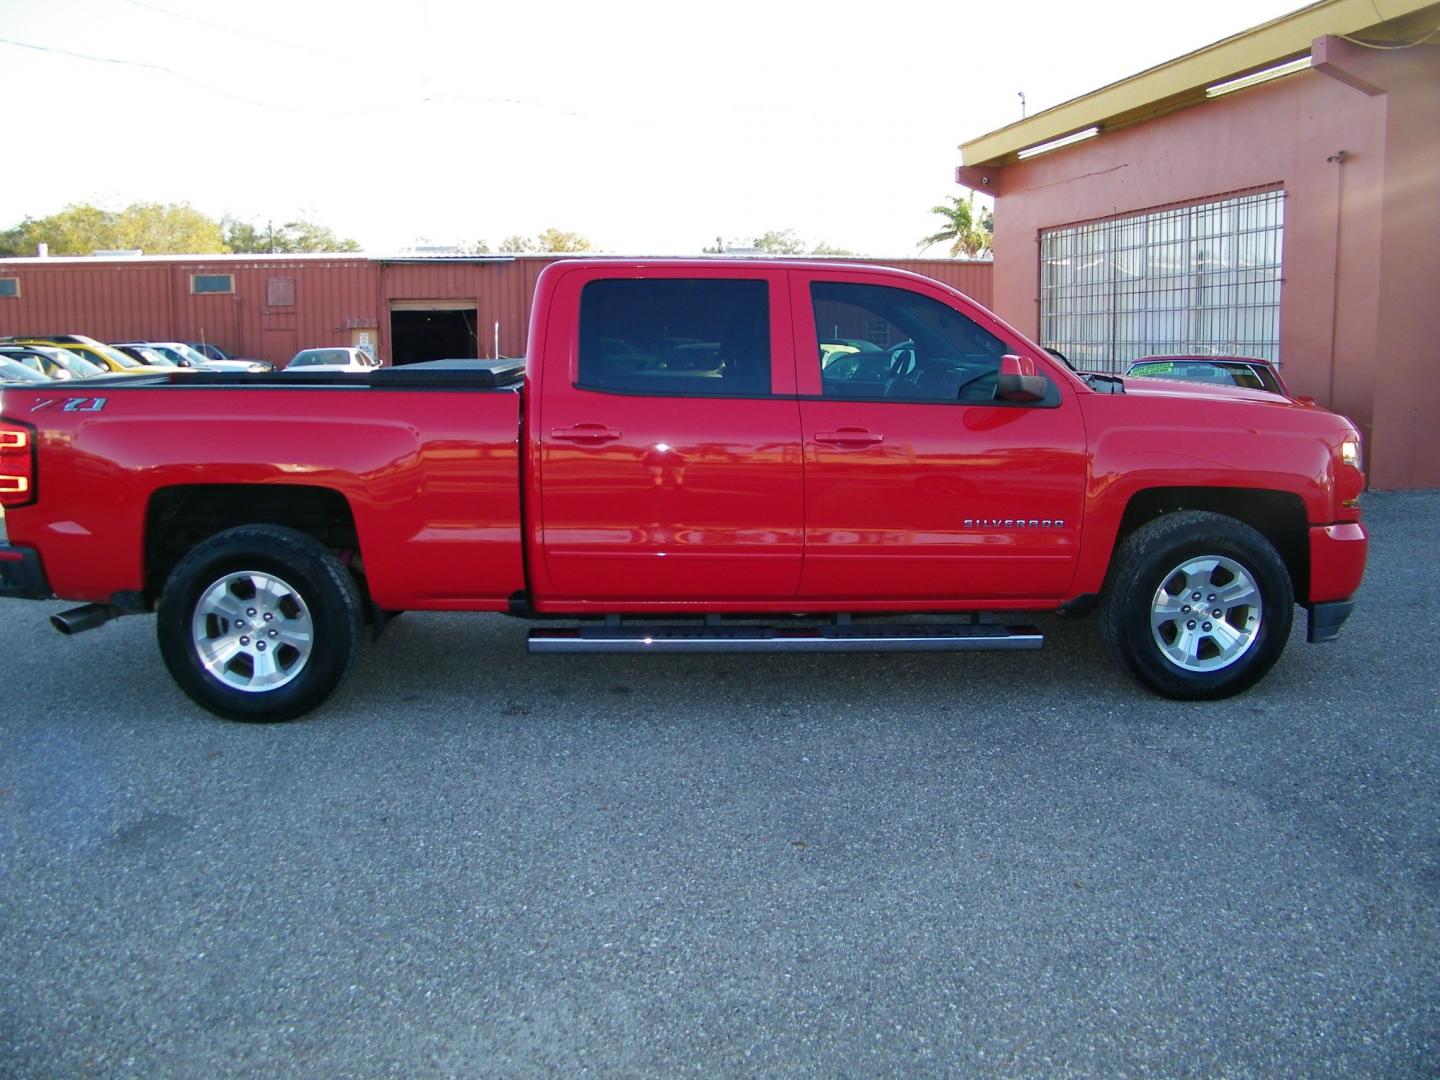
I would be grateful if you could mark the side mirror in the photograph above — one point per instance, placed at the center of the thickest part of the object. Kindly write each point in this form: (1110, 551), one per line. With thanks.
(1018, 382)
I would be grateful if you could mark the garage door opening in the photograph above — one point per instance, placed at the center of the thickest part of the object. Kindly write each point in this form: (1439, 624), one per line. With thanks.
(432, 334)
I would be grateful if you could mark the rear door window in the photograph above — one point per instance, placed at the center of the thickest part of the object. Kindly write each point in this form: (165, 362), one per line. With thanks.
(684, 337)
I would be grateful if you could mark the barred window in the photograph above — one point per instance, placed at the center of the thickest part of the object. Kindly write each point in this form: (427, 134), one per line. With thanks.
(1195, 280)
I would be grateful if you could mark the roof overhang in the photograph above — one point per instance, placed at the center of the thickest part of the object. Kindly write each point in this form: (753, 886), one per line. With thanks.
(1182, 82)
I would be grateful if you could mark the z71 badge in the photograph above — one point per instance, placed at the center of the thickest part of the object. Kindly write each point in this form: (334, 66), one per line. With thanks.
(71, 404)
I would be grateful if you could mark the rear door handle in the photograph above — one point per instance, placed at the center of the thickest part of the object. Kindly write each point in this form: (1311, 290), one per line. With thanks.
(586, 434)
(850, 437)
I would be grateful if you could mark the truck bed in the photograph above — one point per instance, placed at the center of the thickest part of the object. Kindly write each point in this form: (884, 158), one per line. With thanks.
(427, 463)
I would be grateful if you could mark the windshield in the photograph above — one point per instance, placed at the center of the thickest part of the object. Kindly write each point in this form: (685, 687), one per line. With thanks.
(116, 355)
(14, 371)
(193, 355)
(320, 356)
(74, 363)
(154, 356)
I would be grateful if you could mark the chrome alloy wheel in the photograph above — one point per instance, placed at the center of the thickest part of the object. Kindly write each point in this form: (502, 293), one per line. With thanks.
(252, 631)
(1206, 613)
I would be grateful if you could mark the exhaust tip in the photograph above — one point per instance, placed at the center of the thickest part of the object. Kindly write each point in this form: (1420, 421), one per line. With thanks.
(87, 617)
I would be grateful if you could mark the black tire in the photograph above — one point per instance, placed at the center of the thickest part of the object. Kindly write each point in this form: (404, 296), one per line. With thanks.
(1150, 633)
(320, 596)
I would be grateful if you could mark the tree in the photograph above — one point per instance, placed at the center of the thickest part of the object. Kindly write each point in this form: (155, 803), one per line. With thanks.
(300, 235)
(780, 242)
(555, 240)
(776, 242)
(478, 247)
(517, 244)
(82, 229)
(969, 234)
(168, 229)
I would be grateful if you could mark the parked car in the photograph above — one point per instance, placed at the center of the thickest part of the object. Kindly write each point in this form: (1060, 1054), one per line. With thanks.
(112, 360)
(1247, 372)
(147, 354)
(59, 364)
(12, 371)
(186, 356)
(336, 359)
(689, 510)
(226, 361)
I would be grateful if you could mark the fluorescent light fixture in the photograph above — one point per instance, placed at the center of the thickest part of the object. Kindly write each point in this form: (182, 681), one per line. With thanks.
(1056, 144)
(1255, 79)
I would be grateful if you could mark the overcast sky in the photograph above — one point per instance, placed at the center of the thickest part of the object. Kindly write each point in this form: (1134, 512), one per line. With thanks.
(649, 127)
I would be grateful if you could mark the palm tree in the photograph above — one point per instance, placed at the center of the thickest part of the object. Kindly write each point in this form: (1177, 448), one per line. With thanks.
(970, 234)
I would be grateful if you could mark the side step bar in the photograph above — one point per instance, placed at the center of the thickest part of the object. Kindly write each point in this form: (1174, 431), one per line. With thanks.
(610, 638)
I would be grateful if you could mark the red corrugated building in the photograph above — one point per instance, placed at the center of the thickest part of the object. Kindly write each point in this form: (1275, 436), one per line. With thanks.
(269, 307)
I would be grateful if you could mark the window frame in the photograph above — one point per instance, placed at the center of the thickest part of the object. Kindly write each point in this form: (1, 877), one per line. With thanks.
(776, 314)
(807, 341)
(196, 291)
(10, 295)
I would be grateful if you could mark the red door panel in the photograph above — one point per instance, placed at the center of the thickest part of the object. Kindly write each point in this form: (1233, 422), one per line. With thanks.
(678, 494)
(917, 501)
(956, 502)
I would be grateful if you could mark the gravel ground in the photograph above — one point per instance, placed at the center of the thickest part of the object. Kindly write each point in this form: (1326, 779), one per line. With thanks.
(479, 863)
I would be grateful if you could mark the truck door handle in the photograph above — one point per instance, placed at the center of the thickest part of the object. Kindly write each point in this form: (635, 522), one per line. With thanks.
(586, 434)
(850, 437)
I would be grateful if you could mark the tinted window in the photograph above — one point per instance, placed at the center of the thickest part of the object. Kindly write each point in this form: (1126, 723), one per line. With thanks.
(701, 337)
(9, 286)
(882, 342)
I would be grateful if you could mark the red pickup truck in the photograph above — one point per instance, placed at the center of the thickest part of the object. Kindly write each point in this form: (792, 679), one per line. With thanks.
(707, 455)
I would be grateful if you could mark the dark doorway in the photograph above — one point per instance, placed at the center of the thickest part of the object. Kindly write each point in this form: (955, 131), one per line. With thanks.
(432, 335)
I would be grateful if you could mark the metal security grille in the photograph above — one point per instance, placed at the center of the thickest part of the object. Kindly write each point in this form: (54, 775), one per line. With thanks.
(1196, 280)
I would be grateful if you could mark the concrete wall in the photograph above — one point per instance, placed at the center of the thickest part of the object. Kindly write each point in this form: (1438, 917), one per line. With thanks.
(1361, 260)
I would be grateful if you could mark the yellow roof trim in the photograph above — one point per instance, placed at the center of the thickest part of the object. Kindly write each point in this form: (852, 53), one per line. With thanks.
(1182, 81)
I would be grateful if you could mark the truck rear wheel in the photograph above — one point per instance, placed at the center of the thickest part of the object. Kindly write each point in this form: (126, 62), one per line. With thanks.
(1197, 605)
(259, 623)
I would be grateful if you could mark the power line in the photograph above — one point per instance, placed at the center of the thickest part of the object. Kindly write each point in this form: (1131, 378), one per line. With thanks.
(1390, 48)
(146, 65)
(235, 30)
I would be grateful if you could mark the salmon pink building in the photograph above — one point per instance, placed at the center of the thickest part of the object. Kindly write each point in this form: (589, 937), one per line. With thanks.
(1276, 194)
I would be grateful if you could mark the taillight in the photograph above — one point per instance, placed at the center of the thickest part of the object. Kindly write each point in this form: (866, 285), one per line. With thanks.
(17, 465)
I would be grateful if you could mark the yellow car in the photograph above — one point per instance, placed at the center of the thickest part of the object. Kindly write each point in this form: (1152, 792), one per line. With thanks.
(112, 360)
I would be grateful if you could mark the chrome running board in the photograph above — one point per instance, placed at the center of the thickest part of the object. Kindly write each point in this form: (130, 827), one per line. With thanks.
(846, 637)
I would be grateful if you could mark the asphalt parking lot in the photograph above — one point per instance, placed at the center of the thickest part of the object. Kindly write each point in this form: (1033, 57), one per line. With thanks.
(477, 863)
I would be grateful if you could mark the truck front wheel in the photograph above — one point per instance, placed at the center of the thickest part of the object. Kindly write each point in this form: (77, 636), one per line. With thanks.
(1197, 605)
(259, 623)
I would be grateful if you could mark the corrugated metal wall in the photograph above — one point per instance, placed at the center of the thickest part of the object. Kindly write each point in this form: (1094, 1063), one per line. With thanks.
(333, 297)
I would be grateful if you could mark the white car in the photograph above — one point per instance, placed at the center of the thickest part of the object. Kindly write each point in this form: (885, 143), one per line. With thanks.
(336, 359)
(182, 355)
